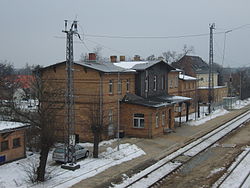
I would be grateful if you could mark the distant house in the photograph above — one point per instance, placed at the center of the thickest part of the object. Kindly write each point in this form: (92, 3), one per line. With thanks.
(21, 84)
(12, 141)
(194, 66)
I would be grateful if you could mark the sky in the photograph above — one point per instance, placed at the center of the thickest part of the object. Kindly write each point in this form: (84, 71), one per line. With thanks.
(31, 31)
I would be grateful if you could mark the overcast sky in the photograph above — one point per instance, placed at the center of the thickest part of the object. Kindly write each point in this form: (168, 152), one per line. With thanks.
(31, 31)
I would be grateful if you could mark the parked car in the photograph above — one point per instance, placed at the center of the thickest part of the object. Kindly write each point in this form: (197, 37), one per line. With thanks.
(60, 151)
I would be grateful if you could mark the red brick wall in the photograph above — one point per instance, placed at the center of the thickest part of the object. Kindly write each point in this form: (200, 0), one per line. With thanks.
(150, 130)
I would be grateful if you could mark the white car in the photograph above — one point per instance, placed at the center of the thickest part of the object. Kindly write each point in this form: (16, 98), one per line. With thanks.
(59, 153)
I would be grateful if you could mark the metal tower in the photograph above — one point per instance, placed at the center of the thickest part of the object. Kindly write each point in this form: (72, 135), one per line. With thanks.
(211, 77)
(69, 98)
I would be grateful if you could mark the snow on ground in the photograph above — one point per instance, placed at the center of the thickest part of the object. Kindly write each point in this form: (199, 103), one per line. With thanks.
(13, 174)
(213, 115)
(215, 171)
(103, 143)
(241, 103)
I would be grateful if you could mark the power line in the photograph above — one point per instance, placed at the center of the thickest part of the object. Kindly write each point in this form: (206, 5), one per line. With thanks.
(150, 37)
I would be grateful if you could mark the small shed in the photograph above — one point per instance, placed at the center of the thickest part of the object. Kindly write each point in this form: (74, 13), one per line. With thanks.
(12, 141)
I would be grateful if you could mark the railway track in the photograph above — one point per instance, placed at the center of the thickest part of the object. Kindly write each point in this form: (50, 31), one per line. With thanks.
(151, 176)
(237, 171)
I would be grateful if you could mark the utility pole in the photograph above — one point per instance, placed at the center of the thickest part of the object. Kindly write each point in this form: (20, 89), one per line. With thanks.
(69, 98)
(210, 77)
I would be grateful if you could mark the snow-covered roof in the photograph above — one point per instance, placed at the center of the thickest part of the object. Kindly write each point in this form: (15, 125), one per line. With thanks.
(105, 67)
(129, 64)
(6, 126)
(140, 65)
(215, 87)
(186, 77)
(156, 101)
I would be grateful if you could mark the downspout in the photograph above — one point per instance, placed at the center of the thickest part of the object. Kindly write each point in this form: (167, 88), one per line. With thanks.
(101, 99)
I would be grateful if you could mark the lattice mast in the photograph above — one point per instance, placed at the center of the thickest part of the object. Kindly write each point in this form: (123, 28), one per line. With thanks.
(211, 77)
(69, 99)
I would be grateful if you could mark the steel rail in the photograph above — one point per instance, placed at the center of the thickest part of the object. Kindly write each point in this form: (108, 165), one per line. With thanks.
(188, 147)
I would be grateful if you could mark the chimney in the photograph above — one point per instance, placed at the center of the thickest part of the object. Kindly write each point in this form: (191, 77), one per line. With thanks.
(113, 58)
(92, 57)
(122, 58)
(137, 58)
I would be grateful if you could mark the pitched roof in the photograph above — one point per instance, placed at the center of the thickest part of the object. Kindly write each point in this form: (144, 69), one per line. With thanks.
(186, 77)
(7, 126)
(105, 67)
(196, 63)
(25, 81)
(141, 65)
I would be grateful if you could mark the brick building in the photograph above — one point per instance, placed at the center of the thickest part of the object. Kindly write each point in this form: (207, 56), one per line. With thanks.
(12, 141)
(98, 88)
(131, 95)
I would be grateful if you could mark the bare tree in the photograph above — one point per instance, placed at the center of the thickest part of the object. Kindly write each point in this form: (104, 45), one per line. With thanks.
(42, 120)
(96, 124)
(171, 56)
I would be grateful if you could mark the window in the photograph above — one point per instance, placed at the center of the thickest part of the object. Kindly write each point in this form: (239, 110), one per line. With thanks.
(127, 85)
(163, 82)
(146, 84)
(171, 83)
(176, 81)
(4, 145)
(155, 83)
(16, 142)
(110, 116)
(119, 87)
(163, 119)
(110, 127)
(139, 120)
(156, 120)
(110, 86)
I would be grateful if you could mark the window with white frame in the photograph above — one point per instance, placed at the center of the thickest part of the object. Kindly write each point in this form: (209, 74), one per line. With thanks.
(155, 83)
(119, 87)
(157, 120)
(163, 118)
(110, 86)
(127, 85)
(138, 120)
